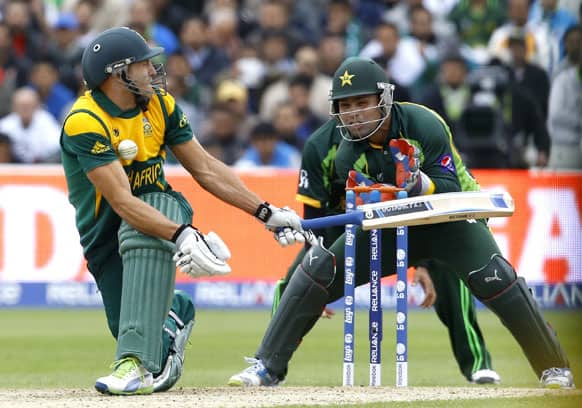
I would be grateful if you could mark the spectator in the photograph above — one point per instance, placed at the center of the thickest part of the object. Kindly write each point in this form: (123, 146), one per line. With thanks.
(299, 89)
(10, 71)
(306, 63)
(5, 149)
(250, 70)
(103, 14)
(235, 95)
(307, 17)
(273, 16)
(430, 46)
(401, 58)
(565, 119)
(54, 95)
(178, 88)
(398, 13)
(27, 43)
(69, 51)
(342, 22)
(556, 19)
(451, 95)
(529, 77)
(84, 11)
(141, 19)
(539, 47)
(287, 122)
(205, 60)
(33, 131)
(475, 21)
(267, 150)
(169, 14)
(573, 49)
(274, 52)
(196, 94)
(332, 51)
(223, 28)
(221, 134)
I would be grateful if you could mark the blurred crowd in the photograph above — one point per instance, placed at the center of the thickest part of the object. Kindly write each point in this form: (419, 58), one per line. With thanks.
(253, 76)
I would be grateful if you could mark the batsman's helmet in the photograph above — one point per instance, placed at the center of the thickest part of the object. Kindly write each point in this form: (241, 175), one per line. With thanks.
(356, 77)
(111, 52)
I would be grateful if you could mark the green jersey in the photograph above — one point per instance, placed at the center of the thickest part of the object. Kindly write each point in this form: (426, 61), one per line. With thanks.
(90, 137)
(421, 127)
(319, 185)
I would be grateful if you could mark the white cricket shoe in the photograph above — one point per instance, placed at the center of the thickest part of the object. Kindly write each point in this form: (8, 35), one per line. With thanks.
(485, 376)
(254, 376)
(557, 378)
(129, 377)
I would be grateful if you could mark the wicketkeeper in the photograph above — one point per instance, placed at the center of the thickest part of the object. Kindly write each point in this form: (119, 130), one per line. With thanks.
(375, 129)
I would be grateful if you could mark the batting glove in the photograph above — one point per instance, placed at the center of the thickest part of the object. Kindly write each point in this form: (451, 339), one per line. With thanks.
(199, 255)
(283, 222)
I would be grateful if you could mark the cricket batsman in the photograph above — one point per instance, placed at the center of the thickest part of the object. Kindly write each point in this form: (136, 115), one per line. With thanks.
(134, 228)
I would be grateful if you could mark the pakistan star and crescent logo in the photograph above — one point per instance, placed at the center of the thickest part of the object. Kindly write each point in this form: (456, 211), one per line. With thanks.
(346, 78)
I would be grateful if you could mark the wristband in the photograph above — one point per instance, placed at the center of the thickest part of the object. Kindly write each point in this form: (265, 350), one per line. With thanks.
(263, 212)
(180, 229)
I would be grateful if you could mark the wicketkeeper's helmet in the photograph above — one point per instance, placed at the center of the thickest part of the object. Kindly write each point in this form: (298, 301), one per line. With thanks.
(356, 77)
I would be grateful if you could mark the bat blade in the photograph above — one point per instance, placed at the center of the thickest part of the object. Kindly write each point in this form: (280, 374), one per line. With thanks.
(430, 209)
(437, 208)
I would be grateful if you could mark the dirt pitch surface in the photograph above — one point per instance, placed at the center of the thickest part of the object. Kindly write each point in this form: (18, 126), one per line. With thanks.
(260, 397)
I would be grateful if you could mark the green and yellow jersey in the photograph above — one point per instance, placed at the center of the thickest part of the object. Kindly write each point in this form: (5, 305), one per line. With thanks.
(90, 137)
(425, 129)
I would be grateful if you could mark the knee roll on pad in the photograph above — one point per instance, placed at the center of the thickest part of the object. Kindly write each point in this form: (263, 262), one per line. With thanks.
(319, 264)
(508, 296)
(492, 279)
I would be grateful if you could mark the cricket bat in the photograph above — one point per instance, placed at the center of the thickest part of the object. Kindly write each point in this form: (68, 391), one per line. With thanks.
(422, 210)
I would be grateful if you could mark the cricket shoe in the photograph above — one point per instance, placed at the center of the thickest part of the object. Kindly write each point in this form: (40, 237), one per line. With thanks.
(129, 377)
(175, 362)
(485, 376)
(557, 378)
(254, 376)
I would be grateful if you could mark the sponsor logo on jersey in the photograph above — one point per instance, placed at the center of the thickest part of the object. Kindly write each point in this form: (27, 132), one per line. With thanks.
(303, 179)
(147, 128)
(183, 121)
(99, 148)
(115, 132)
(447, 163)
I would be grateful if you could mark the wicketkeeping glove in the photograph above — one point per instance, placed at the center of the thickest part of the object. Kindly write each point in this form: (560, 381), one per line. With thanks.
(283, 222)
(199, 255)
(408, 174)
(355, 178)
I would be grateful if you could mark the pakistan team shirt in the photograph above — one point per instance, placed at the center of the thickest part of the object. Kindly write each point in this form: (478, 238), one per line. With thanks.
(421, 127)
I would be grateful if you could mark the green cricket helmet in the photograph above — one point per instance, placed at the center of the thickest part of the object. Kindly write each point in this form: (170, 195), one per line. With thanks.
(357, 77)
(112, 51)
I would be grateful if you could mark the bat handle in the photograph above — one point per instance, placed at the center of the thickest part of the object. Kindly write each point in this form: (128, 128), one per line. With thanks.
(355, 217)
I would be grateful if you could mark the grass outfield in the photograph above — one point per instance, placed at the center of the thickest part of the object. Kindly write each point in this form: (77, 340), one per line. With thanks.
(69, 349)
